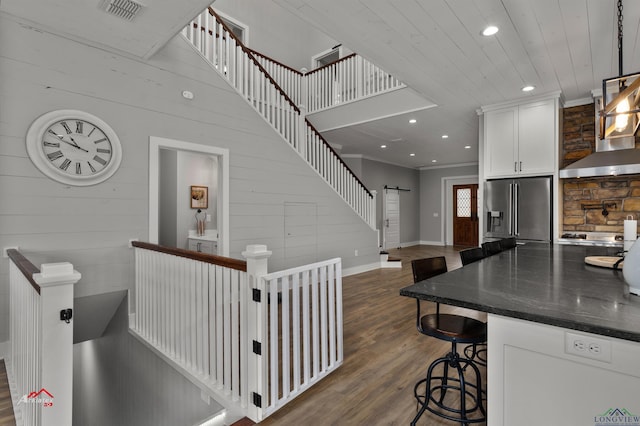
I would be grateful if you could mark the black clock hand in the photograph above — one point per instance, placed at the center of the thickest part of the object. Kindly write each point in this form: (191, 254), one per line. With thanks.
(76, 145)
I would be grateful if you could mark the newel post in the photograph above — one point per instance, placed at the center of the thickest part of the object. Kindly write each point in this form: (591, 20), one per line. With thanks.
(257, 257)
(56, 282)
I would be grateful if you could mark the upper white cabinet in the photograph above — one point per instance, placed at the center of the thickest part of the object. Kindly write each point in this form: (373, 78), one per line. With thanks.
(521, 140)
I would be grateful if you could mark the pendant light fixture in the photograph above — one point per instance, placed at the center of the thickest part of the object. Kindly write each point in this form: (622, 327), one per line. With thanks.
(620, 111)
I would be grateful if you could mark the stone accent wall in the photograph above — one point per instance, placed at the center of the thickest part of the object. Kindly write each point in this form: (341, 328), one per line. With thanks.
(578, 133)
(623, 191)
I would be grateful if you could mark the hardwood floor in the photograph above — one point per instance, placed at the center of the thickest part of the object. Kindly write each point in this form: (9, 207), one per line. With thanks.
(384, 354)
(6, 408)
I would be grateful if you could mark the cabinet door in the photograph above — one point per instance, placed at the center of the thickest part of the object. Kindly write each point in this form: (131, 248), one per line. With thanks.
(536, 136)
(500, 141)
(193, 245)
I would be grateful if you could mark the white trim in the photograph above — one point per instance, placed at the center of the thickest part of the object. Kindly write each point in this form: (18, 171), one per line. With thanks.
(314, 58)
(449, 166)
(409, 244)
(369, 120)
(360, 268)
(447, 182)
(234, 21)
(4, 350)
(431, 243)
(155, 144)
(520, 101)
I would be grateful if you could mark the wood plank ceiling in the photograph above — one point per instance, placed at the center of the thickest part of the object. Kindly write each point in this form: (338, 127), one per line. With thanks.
(436, 48)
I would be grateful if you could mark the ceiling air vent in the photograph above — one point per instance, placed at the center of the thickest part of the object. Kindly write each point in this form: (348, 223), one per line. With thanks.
(125, 9)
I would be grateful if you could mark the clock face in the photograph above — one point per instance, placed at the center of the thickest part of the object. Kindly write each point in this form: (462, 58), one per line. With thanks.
(77, 147)
(74, 147)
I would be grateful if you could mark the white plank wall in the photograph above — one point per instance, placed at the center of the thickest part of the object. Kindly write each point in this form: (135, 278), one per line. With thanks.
(90, 226)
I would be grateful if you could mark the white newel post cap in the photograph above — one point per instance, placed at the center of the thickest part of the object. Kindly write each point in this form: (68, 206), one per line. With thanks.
(257, 257)
(256, 251)
(60, 273)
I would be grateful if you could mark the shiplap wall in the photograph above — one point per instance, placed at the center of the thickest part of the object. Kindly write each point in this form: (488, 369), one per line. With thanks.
(91, 226)
(272, 37)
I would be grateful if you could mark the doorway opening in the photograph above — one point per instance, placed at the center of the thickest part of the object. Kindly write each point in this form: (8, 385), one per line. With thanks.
(166, 158)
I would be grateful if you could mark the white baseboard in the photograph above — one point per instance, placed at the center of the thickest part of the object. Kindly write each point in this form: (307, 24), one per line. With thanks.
(4, 350)
(360, 268)
(410, 244)
(392, 264)
(432, 243)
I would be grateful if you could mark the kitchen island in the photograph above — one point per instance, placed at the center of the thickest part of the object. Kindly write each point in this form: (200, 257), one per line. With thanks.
(563, 336)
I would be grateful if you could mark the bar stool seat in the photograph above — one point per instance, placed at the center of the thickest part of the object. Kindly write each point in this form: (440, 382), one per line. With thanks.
(431, 391)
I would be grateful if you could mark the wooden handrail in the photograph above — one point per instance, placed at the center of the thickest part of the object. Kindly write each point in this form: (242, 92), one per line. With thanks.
(25, 266)
(331, 63)
(338, 156)
(253, 59)
(227, 262)
(255, 52)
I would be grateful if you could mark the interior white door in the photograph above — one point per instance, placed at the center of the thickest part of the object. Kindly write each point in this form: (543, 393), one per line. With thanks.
(391, 225)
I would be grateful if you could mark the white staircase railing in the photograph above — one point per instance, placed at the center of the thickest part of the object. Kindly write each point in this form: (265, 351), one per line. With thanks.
(349, 79)
(236, 64)
(40, 364)
(291, 81)
(191, 311)
(254, 340)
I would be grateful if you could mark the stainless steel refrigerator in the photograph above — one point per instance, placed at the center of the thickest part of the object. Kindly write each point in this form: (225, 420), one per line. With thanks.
(518, 208)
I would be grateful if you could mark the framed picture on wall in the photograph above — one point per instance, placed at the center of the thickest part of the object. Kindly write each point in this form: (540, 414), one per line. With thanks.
(199, 197)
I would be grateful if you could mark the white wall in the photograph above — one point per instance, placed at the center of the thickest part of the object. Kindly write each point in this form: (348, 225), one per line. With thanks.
(90, 226)
(282, 36)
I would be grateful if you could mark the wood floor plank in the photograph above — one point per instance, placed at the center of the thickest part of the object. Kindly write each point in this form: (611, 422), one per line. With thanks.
(384, 354)
(6, 407)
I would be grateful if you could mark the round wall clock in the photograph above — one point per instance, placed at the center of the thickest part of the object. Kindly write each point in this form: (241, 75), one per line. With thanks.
(74, 147)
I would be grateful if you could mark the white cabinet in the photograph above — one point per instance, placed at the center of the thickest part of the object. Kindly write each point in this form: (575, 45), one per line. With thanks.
(203, 246)
(535, 379)
(521, 139)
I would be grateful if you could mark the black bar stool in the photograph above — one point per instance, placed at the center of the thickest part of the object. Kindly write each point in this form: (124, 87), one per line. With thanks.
(491, 247)
(455, 329)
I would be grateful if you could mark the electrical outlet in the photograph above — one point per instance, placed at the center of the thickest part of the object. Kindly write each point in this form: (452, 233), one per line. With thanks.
(356, 252)
(588, 346)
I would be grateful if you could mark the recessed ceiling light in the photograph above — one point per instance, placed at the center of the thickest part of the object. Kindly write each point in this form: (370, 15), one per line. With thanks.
(445, 136)
(528, 88)
(412, 155)
(413, 121)
(383, 146)
(467, 147)
(434, 161)
(490, 30)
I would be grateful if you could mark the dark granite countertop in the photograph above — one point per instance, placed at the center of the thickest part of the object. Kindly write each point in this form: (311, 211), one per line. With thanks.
(549, 284)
